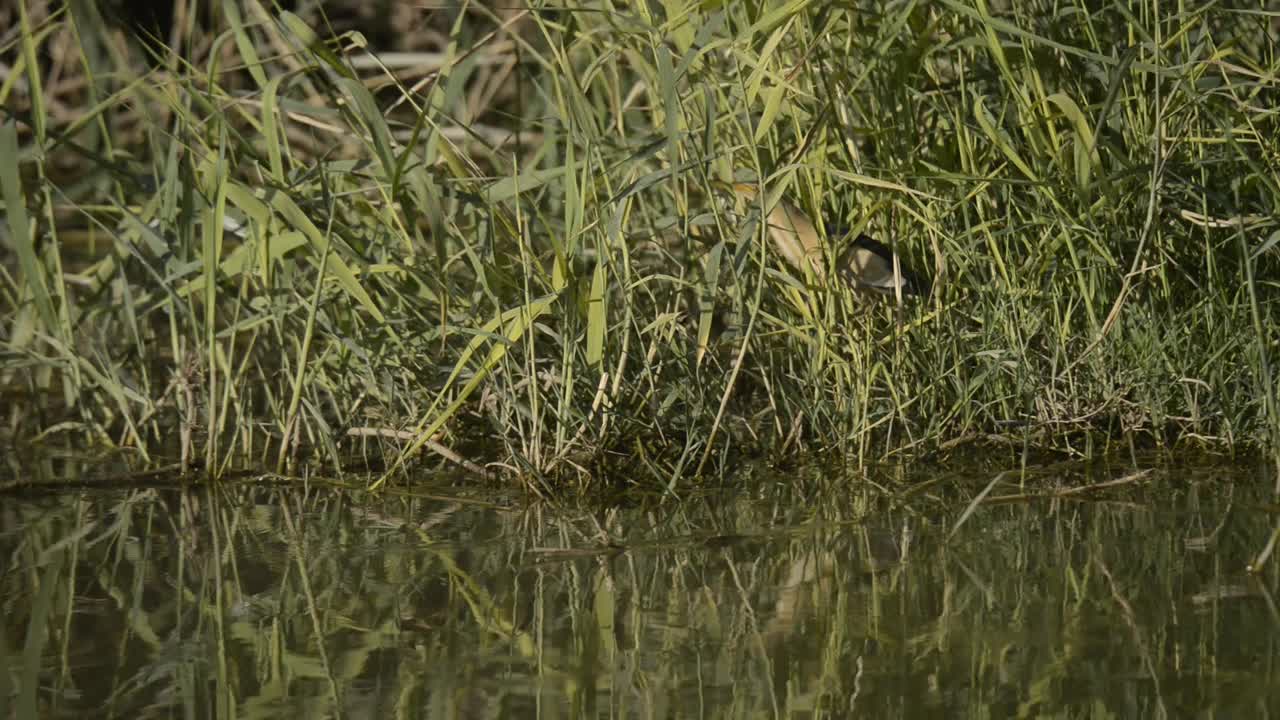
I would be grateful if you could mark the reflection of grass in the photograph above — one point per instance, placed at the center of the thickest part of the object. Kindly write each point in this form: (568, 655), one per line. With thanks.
(826, 599)
(523, 256)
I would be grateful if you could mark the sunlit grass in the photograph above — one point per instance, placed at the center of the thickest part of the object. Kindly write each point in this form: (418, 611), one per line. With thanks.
(269, 246)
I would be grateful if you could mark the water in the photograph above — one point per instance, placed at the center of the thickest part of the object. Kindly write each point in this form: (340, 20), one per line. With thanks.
(799, 596)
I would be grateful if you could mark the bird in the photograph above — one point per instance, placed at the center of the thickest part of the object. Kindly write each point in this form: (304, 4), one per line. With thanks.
(865, 264)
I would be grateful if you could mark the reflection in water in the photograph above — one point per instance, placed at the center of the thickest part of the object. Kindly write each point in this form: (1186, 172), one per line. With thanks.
(257, 602)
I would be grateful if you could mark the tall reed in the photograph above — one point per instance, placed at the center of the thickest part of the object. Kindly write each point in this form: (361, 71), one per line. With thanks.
(272, 241)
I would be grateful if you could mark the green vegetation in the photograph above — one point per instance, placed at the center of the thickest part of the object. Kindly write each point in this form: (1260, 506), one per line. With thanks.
(260, 246)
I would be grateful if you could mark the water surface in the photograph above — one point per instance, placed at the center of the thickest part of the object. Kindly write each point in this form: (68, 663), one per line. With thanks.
(799, 595)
